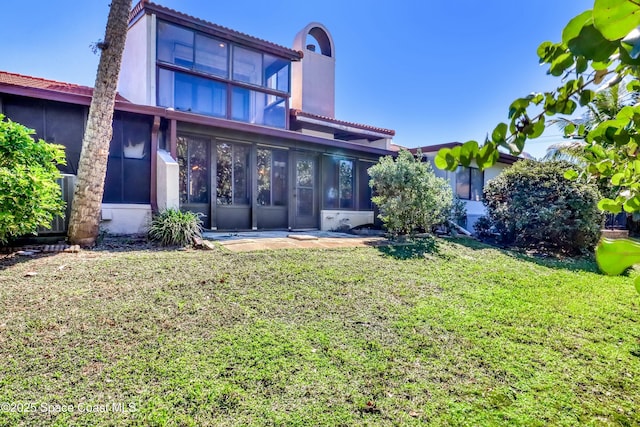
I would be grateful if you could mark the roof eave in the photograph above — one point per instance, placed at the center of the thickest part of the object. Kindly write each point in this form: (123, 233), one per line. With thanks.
(168, 14)
(364, 133)
(197, 119)
(333, 123)
(274, 132)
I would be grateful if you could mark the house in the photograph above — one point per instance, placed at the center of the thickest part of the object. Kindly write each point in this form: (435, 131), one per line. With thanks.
(218, 122)
(467, 182)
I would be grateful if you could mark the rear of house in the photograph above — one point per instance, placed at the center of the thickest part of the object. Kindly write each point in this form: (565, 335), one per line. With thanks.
(467, 182)
(215, 121)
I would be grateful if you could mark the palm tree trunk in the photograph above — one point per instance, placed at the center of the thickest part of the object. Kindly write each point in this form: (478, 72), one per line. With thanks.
(87, 198)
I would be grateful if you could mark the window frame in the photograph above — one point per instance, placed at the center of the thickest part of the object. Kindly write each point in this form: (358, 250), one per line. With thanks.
(469, 181)
(123, 169)
(272, 160)
(190, 139)
(248, 175)
(331, 179)
(270, 93)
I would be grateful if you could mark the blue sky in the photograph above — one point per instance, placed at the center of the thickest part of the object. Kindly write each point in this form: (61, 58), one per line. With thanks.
(435, 71)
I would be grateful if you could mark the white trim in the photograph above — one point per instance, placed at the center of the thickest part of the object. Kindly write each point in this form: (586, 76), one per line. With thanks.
(343, 128)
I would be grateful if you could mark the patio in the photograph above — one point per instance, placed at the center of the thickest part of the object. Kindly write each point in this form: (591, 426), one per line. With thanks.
(263, 240)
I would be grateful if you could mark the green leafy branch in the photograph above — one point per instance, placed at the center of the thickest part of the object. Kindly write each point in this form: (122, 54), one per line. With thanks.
(600, 49)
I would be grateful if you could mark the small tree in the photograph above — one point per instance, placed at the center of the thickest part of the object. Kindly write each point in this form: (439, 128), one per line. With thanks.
(532, 204)
(408, 194)
(29, 194)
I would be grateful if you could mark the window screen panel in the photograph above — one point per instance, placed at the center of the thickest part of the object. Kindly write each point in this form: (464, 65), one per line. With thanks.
(26, 111)
(364, 191)
(65, 126)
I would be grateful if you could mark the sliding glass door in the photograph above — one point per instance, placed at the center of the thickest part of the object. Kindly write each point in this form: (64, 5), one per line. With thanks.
(194, 175)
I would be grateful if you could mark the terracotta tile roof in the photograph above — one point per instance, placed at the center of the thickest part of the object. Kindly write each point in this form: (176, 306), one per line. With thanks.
(300, 113)
(397, 148)
(20, 80)
(223, 31)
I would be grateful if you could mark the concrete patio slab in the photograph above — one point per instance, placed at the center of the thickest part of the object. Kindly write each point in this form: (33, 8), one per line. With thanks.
(302, 237)
(270, 240)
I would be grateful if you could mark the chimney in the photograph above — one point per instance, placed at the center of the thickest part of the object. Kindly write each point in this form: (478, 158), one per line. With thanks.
(313, 77)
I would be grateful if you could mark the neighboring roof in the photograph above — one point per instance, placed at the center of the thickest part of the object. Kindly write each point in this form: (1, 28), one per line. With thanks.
(35, 87)
(397, 148)
(20, 80)
(145, 6)
(504, 157)
(295, 113)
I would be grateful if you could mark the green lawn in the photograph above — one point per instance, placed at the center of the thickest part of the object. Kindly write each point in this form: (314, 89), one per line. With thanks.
(440, 333)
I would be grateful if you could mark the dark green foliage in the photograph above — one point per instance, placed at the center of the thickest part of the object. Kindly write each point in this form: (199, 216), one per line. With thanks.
(172, 227)
(532, 204)
(484, 228)
(458, 211)
(29, 194)
(409, 195)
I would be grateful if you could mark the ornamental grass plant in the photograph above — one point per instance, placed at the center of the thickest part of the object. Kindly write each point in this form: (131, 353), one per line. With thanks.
(173, 227)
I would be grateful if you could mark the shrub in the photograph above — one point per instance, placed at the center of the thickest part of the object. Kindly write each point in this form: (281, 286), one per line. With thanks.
(458, 213)
(29, 194)
(173, 227)
(484, 228)
(532, 204)
(409, 195)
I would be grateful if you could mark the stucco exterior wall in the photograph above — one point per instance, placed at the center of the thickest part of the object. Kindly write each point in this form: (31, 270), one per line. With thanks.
(337, 219)
(125, 218)
(167, 194)
(313, 79)
(137, 73)
(313, 84)
(494, 171)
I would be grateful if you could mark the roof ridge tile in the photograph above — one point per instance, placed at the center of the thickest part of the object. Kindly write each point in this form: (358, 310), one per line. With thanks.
(22, 80)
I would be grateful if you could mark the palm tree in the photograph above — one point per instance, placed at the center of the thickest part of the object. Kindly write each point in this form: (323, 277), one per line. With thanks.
(605, 106)
(87, 198)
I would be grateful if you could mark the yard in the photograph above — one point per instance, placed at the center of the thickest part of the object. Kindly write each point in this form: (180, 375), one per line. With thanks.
(439, 333)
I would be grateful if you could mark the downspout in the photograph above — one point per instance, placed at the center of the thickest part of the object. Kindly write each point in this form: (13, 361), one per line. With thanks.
(154, 163)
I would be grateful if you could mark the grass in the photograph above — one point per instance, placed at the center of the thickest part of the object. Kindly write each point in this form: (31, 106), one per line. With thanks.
(438, 333)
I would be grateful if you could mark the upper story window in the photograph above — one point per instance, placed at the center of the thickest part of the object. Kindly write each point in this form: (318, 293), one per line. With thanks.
(276, 73)
(211, 56)
(202, 53)
(205, 75)
(247, 66)
(183, 47)
(175, 45)
(469, 183)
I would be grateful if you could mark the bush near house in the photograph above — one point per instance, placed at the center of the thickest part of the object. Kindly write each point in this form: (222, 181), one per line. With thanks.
(458, 212)
(532, 204)
(29, 194)
(409, 195)
(173, 227)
